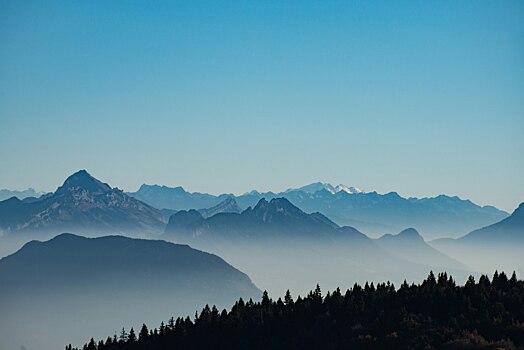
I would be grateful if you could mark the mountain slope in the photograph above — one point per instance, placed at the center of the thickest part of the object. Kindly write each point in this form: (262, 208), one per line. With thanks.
(82, 204)
(509, 230)
(75, 283)
(495, 247)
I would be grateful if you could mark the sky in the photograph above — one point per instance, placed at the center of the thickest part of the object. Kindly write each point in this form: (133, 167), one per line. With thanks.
(418, 97)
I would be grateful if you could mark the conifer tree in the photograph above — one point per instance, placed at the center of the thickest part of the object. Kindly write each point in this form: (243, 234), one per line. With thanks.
(131, 338)
(288, 300)
(144, 333)
(123, 336)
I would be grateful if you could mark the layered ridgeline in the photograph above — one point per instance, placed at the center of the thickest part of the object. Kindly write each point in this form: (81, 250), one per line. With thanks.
(83, 205)
(495, 246)
(60, 288)
(373, 213)
(279, 245)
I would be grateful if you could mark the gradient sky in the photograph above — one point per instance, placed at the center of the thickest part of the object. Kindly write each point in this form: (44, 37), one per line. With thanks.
(418, 97)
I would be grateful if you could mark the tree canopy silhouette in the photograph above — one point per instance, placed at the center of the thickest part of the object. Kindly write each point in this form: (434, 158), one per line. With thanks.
(488, 314)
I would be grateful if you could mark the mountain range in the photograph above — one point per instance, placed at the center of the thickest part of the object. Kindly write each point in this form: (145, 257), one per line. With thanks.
(371, 212)
(72, 283)
(85, 204)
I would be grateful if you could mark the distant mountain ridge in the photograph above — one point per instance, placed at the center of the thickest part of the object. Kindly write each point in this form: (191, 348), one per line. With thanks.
(370, 212)
(82, 204)
(30, 192)
(318, 186)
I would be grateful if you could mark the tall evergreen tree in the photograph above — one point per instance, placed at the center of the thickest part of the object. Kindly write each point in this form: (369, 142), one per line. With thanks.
(144, 333)
(131, 338)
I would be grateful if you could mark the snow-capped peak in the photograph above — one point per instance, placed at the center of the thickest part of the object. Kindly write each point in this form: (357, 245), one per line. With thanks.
(348, 189)
(318, 186)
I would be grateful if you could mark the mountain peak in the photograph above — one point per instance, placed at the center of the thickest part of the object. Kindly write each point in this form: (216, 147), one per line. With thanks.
(83, 180)
(229, 205)
(410, 233)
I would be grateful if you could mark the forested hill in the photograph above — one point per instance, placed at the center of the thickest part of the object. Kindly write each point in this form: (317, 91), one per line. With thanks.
(488, 314)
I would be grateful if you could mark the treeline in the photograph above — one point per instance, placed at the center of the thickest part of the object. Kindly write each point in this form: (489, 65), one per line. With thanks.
(488, 314)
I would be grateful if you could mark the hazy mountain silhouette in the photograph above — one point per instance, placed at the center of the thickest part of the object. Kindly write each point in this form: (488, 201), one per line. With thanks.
(176, 198)
(29, 193)
(82, 204)
(71, 283)
(373, 213)
(410, 245)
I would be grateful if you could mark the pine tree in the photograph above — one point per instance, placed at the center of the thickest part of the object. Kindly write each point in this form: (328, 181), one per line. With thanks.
(91, 345)
(288, 300)
(144, 333)
(265, 299)
(171, 324)
(123, 336)
(132, 336)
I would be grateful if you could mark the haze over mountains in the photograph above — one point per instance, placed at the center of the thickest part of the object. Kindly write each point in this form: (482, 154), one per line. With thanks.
(372, 213)
(410, 245)
(498, 246)
(102, 283)
(279, 244)
(274, 236)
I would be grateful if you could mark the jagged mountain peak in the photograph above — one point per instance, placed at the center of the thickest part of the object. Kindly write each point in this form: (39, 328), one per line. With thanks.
(83, 180)
(228, 205)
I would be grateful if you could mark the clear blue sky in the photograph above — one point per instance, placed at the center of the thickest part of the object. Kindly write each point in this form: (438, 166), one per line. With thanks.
(418, 97)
